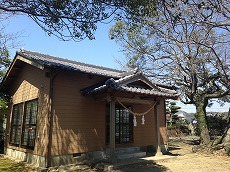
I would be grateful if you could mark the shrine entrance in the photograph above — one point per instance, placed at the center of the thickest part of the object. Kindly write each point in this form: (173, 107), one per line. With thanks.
(123, 125)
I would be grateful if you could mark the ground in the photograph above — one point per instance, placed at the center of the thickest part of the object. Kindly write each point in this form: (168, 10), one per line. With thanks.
(184, 160)
(7, 165)
(180, 159)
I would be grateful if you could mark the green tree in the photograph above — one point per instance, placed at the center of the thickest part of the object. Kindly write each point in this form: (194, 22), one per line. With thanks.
(172, 109)
(217, 124)
(74, 19)
(7, 41)
(4, 61)
(186, 44)
(4, 64)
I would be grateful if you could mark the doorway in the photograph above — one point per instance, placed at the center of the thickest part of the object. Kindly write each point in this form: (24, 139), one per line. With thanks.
(123, 125)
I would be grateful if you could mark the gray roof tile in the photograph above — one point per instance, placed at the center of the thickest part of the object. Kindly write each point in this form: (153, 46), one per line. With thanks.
(116, 85)
(52, 61)
(118, 79)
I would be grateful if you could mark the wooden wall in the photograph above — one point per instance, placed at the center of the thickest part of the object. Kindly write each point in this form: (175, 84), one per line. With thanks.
(79, 121)
(30, 84)
(145, 135)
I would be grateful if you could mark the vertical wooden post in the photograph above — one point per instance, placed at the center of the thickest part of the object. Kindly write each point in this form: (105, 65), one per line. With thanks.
(112, 131)
(159, 153)
(50, 118)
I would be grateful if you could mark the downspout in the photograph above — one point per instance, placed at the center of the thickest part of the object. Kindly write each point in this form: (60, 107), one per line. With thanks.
(8, 125)
(52, 76)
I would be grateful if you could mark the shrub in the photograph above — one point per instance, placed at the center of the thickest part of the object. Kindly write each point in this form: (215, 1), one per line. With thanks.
(216, 125)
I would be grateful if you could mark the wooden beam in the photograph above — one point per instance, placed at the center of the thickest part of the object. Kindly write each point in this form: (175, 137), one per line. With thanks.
(112, 131)
(135, 101)
(31, 62)
(17, 67)
(11, 77)
(159, 152)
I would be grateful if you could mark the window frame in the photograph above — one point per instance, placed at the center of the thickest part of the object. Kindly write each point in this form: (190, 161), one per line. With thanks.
(124, 124)
(27, 124)
(16, 126)
(30, 127)
(120, 124)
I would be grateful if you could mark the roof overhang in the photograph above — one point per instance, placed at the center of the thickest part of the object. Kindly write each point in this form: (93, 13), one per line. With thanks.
(132, 83)
(15, 67)
(122, 86)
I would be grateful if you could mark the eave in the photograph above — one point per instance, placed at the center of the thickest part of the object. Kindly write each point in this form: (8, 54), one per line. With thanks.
(14, 69)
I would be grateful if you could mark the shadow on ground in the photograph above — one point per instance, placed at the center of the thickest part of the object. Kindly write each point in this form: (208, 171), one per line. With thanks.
(145, 166)
(172, 148)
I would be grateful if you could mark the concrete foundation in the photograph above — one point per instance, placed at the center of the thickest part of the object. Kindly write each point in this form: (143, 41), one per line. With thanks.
(89, 157)
(40, 161)
(35, 160)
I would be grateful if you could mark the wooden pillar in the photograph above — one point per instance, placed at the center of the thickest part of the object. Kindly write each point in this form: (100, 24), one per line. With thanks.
(112, 131)
(159, 152)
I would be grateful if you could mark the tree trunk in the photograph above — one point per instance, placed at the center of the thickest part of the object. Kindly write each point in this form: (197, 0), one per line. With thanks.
(202, 124)
(226, 138)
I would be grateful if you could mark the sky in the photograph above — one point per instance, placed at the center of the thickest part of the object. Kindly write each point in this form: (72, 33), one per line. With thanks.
(101, 51)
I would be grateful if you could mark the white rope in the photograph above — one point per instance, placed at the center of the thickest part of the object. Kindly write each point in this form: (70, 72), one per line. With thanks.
(137, 114)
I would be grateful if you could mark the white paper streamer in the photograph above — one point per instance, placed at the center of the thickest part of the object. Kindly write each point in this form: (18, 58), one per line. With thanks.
(143, 120)
(134, 121)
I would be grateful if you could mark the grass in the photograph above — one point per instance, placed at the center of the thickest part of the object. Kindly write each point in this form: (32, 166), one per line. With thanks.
(7, 165)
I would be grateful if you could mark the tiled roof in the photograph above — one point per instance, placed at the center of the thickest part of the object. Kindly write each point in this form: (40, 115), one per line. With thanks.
(118, 79)
(118, 86)
(52, 61)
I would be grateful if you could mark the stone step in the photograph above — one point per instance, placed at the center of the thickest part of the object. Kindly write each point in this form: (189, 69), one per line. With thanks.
(127, 153)
(127, 150)
(131, 155)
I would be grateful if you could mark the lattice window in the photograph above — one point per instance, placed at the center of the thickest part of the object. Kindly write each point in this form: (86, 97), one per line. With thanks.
(123, 125)
(16, 124)
(23, 125)
(29, 124)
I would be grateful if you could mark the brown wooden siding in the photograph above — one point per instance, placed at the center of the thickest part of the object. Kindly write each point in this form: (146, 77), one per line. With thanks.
(145, 135)
(162, 122)
(30, 84)
(79, 122)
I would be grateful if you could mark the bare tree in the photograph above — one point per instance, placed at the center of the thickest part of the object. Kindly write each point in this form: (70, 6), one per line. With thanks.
(187, 44)
(7, 42)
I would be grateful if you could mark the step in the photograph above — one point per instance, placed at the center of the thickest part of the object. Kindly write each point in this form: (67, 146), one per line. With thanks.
(127, 150)
(131, 155)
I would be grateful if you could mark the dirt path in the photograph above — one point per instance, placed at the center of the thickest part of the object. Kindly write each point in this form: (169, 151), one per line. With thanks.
(185, 161)
(188, 161)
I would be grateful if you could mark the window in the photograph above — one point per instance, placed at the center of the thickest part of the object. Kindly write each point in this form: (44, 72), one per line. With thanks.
(123, 125)
(16, 124)
(29, 124)
(23, 132)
